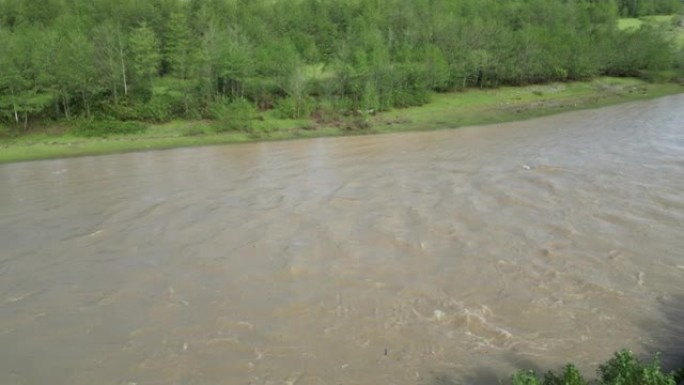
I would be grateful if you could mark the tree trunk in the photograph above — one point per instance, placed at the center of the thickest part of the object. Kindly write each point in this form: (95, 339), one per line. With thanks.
(65, 103)
(14, 107)
(123, 71)
(86, 104)
(123, 66)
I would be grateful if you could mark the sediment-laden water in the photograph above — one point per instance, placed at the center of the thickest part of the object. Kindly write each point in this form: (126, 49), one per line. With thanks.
(422, 258)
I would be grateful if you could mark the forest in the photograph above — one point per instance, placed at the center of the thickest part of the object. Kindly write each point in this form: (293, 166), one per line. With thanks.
(156, 60)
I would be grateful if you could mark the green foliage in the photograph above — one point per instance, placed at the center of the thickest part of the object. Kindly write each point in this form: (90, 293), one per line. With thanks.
(157, 110)
(103, 128)
(626, 369)
(679, 375)
(623, 369)
(63, 60)
(5, 131)
(193, 130)
(236, 115)
(642, 49)
(356, 123)
(525, 377)
(294, 108)
(145, 58)
(471, 107)
(569, 376)
(327, 112)
(636, 8)
(178, 50)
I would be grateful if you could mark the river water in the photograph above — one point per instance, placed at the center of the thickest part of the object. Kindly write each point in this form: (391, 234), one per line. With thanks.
(442, 257)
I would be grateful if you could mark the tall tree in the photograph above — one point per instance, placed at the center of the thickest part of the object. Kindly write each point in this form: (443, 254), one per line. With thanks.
(178, 50)
(145, 59)
(110, 60)
(19, 87)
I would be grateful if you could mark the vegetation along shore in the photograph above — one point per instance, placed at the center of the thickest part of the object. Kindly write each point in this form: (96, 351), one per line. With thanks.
(96, 77)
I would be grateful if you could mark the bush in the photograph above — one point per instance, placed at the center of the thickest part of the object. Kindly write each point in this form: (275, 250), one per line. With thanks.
(141, 94)
(233, 116)
(623, 369)
(5, 132)
(626, 369)
(357, 123)
(570, 376)
(679, 375)
(92, 128)
(294, 108)
(525, 377)
(263, 91)
(327, 112)
(157, 110)
(635, 51)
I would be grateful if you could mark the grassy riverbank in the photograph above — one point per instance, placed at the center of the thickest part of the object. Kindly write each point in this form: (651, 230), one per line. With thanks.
(449, 110)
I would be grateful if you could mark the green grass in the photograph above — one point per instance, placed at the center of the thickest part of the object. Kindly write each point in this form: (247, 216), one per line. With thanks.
(450, 110)
(679, 36)
(660, 19)
(629, 23)
(318, 71)
(666, 21)
(518, 103)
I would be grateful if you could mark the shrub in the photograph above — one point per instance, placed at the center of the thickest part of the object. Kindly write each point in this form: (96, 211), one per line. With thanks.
(623, 369)
(679, 375)
(525, 377)
(236, 115)
(294, 108)
(5, 132)
(92, 128)
(326, 112)
(570, 376)
(357, 123)
(158, 109)
(626, 369)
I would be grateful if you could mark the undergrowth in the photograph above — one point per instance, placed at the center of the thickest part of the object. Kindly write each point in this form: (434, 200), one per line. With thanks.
(624, 368)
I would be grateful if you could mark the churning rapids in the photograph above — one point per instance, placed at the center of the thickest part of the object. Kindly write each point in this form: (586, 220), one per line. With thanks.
(441, 257)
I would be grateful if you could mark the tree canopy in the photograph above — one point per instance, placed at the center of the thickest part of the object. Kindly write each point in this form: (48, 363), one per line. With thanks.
(159, 59)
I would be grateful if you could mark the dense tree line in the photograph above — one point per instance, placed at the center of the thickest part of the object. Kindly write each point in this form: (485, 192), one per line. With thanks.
(155, 60)
(636, 8)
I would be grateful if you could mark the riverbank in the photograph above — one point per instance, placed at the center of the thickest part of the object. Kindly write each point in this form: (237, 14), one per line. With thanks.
(449, 110)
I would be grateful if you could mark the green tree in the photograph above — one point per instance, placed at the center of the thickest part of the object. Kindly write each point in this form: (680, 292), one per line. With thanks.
(145, 59)
(178, 50)
(110, 60)
(20, 94)
(78, 70)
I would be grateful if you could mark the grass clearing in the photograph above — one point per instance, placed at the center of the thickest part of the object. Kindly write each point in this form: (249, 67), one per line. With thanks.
(671, 23)
(518, 103)
(629, 23)
(449, 110)
(318, 71)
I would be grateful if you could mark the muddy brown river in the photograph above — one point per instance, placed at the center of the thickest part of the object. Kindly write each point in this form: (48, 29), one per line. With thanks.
(447, 257)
